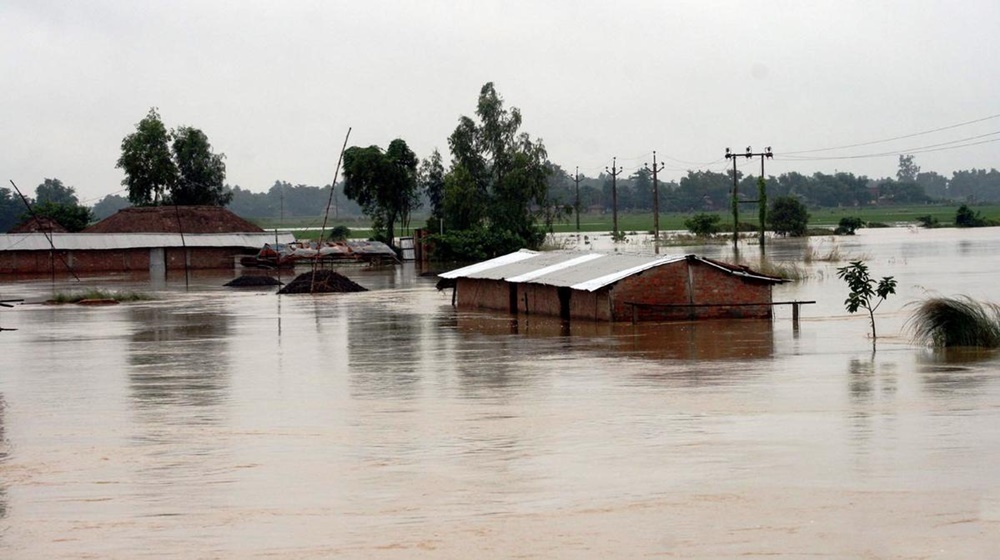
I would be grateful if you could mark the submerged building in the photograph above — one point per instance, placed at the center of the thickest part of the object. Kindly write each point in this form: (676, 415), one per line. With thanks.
(156, 239)
(613, 287)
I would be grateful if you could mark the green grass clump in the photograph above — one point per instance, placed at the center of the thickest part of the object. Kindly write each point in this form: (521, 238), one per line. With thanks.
(119, 296)
(957, 321)
(787, 270)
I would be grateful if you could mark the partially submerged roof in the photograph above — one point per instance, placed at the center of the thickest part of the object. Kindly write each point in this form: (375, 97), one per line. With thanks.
(174, 219)
(37, 223)
(112, 241)
(582, 271)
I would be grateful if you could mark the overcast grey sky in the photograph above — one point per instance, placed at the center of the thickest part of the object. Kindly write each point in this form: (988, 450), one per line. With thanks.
(275, 85)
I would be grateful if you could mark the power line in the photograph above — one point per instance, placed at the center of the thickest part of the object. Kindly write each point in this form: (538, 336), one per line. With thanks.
(932, 131)
(917, 150)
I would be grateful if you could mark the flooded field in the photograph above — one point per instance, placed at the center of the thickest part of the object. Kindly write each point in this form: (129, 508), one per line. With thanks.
(220, 423)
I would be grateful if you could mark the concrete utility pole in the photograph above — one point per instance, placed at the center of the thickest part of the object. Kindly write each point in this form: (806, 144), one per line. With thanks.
(656, 205)
(762, 195)
(614, 172)
(576, 179)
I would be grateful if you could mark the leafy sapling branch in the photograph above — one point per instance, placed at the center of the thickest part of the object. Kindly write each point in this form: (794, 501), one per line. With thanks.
(865, 292)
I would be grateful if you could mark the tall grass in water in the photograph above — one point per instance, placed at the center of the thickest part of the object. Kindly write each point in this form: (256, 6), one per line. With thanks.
(957, 321)
(96, 294)
(787, 270)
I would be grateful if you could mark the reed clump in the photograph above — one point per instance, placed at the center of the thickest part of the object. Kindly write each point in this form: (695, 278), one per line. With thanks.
(948, 322)
(787, 270)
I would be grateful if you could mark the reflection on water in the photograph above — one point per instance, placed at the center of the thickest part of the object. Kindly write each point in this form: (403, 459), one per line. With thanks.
(703, 340)
(178, 358)
(957, 371)
(3, 459)
(383, 353)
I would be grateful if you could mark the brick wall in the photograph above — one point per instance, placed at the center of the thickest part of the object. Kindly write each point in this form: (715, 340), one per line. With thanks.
(679, 283)
(689, 282)
(118, 260)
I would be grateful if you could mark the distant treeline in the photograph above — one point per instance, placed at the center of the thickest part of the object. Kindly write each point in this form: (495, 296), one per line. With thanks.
(697, 191)
(708, 190)
(283, 199)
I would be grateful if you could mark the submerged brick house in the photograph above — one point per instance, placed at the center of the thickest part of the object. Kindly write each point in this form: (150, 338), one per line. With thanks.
(615, 287)
(155, 238)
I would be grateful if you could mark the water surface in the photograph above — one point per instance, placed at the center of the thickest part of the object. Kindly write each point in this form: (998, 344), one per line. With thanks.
(217, 423)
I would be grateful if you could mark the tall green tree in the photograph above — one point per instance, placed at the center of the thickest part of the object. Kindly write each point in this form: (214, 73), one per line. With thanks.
(146, 160)
(383, 183)
(201, 174)
(54, 191)
(431, 175)
(508, 169)
(908, 169)
(11, 208)
(176, 167)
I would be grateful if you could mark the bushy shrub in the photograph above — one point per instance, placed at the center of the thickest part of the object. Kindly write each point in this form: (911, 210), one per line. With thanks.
(703, 224)
(848, 225)
(477, 244)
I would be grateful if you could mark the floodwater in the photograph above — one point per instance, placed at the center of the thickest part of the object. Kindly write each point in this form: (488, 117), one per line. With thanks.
(218, 423)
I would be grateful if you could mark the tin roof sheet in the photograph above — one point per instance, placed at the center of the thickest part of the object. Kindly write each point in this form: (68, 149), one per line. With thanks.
(488, 270)
(112, 241)
(579, 271)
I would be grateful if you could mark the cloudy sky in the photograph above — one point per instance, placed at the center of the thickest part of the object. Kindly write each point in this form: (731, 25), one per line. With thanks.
(275, 85)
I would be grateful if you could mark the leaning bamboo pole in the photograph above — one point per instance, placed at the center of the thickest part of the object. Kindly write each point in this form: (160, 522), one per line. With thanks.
(326, 214)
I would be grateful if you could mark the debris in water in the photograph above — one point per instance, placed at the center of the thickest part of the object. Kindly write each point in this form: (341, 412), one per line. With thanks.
(253, 281)
(321, 281)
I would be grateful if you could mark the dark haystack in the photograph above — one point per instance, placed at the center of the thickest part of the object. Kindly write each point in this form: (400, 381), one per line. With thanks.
(253, 281)
(325, 281)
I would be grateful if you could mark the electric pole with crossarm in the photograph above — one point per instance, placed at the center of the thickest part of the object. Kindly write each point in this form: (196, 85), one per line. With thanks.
(614, 172)
(656, 205)
(761, 194)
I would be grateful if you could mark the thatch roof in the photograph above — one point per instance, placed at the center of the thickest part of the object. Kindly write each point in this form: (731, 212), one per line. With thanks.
(174, 219)
(37, 225)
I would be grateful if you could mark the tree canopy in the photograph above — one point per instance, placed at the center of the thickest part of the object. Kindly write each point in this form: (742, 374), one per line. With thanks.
(200, 173)
(176, 167)
(59, 202)
(11, 208)
(54, 191)
(73, 217)
(384, 184)
(498, 178)
(788, 216)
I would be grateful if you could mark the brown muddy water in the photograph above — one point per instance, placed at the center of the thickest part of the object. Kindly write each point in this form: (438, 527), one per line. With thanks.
(218, 423)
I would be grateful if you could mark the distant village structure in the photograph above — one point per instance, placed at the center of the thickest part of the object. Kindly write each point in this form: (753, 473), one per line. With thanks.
(613, 287)
(156, 238)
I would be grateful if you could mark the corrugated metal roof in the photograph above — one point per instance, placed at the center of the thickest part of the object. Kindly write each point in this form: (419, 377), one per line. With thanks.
(619, 267)
(555, 268)
(484, 270)
(112, 241)
(579, 271)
